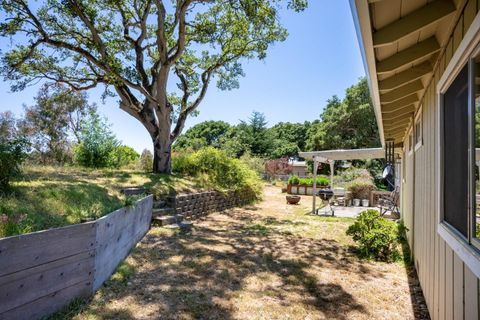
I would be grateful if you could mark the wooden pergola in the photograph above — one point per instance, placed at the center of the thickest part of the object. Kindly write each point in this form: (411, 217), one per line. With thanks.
(330, 156)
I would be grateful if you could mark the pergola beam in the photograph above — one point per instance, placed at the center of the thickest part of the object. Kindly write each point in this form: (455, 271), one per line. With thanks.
(399, 104)
(406, 76)
(410, 55)
(402, 91)
(349, 154)
(413, 22)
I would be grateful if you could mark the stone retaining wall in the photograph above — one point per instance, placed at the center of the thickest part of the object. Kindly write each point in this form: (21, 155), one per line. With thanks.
(198, 204)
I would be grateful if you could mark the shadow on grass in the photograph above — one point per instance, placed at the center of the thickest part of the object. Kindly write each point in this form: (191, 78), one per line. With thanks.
(205, 274)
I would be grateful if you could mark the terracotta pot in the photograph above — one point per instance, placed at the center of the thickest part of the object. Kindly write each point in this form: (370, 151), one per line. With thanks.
(293, 199)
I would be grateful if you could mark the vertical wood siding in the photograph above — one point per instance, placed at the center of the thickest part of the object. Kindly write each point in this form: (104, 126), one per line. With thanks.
(451, 289)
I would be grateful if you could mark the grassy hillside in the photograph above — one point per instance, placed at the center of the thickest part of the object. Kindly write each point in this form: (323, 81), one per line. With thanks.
(48, 197)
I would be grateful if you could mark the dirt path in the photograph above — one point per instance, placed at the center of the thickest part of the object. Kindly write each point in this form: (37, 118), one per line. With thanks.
(269, 261)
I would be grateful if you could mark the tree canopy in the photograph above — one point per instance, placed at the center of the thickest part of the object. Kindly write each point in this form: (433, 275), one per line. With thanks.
(135, 49)
(346, 124)
(207, 133)
(54, 120)
(349, 123)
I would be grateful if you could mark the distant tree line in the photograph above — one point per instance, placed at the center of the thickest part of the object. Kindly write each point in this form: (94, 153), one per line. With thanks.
(343, 124)
(61, 127)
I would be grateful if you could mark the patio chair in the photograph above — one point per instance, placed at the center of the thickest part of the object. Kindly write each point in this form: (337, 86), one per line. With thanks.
(389, 203)
(342, 196)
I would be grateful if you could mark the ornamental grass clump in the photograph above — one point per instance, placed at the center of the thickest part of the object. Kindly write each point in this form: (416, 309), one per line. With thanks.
(377, 237)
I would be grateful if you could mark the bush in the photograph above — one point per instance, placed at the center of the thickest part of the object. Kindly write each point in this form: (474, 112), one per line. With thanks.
(217, 170)
(145, 162)
(122, 156)
(294, 180)
(97, 143)
(255, 163)
(361, 188)
(377, 237)
(12, 155)
(322, 181)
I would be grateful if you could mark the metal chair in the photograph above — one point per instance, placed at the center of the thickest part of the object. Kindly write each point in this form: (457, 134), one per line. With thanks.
(390, 203)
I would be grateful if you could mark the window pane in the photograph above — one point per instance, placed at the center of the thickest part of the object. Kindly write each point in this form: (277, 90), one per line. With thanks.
(455, 156)
(476, 90)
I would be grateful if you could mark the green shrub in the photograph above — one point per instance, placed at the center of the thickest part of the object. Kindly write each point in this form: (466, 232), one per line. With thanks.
(217, 170)
(255, 163)
(377, 237)
(361, 188)
(294, 180)
(145, 162)
(322, 181)
(97, 143)
(122, 156)
(12, 155)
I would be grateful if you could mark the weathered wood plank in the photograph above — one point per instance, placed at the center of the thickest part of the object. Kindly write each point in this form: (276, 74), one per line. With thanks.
(44, 306)
(36, 286)
(34, 249)
(116, 236)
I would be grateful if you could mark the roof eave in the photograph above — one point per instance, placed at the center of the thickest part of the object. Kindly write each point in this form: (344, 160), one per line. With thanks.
(361, 19)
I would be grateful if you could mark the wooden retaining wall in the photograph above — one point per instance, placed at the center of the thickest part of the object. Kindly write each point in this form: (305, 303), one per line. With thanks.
(41, 272)
(198, 204)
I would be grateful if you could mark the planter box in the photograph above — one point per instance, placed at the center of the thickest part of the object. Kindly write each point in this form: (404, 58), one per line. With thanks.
(303, 190)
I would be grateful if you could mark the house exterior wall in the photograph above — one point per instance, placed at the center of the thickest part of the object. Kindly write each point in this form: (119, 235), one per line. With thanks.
(451, 289)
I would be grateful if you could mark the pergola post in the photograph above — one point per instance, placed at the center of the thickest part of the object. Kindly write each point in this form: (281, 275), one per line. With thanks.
(332, 168)
(314, 192)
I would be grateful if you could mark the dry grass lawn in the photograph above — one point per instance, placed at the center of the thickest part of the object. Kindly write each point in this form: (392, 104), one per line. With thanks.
(269, 261)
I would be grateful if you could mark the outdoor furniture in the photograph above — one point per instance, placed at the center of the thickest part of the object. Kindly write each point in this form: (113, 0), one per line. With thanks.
(326, 195)
(389, 203)
(342, 197)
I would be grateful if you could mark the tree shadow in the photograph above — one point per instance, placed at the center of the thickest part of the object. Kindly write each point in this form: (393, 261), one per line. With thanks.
(198, 275)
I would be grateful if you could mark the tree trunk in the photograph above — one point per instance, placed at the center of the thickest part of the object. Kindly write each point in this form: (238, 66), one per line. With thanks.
(162, 143)
(162, 153)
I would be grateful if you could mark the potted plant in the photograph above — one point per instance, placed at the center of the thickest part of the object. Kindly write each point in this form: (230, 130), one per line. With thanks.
(292, 181)
(361, 189)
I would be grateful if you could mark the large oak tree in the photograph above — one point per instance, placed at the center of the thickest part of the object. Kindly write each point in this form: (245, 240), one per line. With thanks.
(139, 49)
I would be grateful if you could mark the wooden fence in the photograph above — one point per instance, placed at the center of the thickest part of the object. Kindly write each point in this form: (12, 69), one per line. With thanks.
(41, 272)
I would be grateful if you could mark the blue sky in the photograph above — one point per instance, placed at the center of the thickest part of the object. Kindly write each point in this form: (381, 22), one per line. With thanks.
(320, 58)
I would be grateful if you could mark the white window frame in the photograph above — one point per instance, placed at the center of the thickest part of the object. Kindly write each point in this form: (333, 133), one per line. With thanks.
(418, 119)
(410, 141)
(467, 251)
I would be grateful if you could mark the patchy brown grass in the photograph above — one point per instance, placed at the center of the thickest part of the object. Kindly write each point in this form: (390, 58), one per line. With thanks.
(269, 261)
